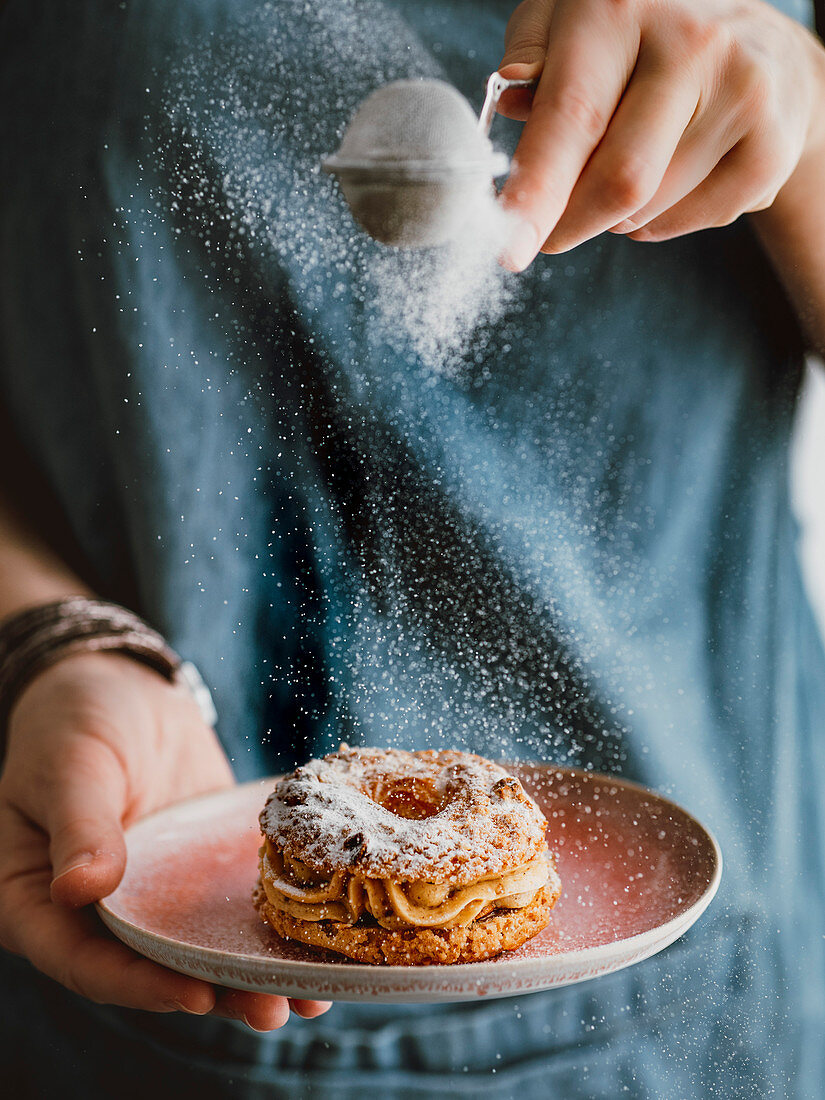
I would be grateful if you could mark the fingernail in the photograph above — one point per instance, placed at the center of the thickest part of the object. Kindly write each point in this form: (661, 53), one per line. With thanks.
(526, 69)
(521, 248)
(179, 1006)
(623, 227)
(83, 860)
(246, 1020)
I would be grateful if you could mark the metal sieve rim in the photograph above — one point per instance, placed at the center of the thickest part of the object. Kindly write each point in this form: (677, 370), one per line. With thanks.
(387, 169)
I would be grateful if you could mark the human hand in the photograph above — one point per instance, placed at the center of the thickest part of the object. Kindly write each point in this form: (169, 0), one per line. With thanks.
(94, 743)
(654, 119)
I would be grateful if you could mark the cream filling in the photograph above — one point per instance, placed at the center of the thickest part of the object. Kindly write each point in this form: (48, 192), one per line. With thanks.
(293, 888)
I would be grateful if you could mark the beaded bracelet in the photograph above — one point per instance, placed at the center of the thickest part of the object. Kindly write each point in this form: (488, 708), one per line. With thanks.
(34, 639)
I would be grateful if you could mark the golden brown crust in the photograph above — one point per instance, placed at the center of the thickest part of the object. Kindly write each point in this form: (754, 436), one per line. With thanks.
(440, 817)
(503, 930)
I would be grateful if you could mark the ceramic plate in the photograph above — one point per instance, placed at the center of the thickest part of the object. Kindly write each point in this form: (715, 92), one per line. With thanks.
(636, 869)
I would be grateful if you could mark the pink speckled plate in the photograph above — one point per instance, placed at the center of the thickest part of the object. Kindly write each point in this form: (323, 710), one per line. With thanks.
(637, 871)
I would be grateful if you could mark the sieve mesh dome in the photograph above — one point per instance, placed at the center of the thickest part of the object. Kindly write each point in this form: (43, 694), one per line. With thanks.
(413, 163)
(412, 125)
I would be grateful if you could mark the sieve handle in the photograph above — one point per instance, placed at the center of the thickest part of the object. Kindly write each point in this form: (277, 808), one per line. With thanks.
(496, 84)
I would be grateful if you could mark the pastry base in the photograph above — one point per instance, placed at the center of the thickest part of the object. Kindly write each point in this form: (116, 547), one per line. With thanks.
(502, 930)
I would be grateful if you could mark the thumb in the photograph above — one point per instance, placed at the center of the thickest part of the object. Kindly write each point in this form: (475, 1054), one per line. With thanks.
(86, 843)
(525, 40)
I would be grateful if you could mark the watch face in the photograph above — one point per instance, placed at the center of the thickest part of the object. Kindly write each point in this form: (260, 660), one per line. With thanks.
(188, 674)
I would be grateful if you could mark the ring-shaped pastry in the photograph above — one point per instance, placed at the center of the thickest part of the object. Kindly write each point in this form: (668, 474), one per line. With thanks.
(402, 857)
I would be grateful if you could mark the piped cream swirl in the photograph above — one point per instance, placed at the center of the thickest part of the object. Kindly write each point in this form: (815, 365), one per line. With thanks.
(294, 888)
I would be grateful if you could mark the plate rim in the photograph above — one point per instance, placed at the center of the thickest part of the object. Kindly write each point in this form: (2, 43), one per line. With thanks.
(582, 957)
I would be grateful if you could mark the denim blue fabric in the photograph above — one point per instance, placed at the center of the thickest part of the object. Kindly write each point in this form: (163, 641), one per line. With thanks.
(577, 547)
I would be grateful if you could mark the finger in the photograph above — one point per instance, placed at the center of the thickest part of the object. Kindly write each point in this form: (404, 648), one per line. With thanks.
(73, 947)
(525, 42)
(517, 103)
(527, 34)
(732, 189)
(747, 172)
(695, 160)
(588, 63)
(260, 1011)
(309, 1009)
(82, 959)
(730, 120)
(83, 819)
(628, 167)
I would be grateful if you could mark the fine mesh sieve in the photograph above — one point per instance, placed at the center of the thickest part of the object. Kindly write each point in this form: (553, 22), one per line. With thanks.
(415, 161)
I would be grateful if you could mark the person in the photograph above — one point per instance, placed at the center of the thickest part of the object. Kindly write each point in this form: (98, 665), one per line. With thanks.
(578, 546)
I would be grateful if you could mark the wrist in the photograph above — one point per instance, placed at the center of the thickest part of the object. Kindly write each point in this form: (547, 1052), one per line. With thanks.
(33, 640)
(792, 232)
(805, 184)
(816, 129)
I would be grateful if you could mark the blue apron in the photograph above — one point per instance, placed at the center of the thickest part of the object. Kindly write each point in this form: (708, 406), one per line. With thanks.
(574, 545)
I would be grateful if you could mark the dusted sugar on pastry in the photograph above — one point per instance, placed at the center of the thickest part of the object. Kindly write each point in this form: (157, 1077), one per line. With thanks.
(405, 858)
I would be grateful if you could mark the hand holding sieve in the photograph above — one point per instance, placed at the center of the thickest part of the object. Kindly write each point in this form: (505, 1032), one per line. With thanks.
(415, 162)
